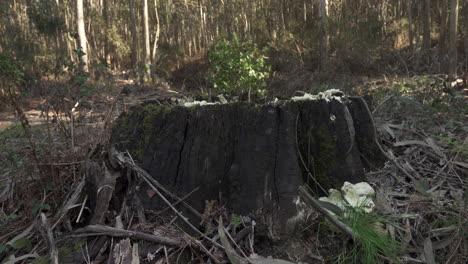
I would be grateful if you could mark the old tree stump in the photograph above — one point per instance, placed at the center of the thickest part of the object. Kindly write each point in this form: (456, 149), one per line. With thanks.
(252, 158)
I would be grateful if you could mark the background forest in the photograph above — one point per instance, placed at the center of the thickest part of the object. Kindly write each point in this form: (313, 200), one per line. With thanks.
(69, 68)
(171, 37)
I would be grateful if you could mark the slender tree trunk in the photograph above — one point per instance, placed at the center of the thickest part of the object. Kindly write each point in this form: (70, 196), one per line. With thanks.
(443, 29)
(283, 22)
(410, 24)
(419, 22)
(61, 47)
(68, 19)
(453, 39)
(427, 25)
(157, 33)
(106, 11)
(133, 29)
(465, 37)
(82, 41)
(304, 9)
(323, 35)
(146, 43)
(202, 26)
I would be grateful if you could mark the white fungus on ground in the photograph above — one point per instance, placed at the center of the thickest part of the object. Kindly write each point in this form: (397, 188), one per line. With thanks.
(357, 196)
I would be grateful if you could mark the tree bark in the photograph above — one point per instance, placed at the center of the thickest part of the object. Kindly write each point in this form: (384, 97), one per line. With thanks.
(82, 41)
(157, 33)
(146, 44)
(323, 10)
(410, 24)
(453, 39)
(253, 157)
(133, 29)
(106, 11)
(61, 45)
(443, 29)
(427, 25)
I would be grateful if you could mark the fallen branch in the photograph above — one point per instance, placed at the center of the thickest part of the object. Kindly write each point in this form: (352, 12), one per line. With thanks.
(340, 225)
(92, 230)
(150, 181)
(48, 236)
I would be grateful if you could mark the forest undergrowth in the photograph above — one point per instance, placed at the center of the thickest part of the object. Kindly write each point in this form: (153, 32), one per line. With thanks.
(421, 125)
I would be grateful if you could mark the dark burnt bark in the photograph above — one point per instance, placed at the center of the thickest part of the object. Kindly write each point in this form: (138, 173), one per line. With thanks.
(247, 155)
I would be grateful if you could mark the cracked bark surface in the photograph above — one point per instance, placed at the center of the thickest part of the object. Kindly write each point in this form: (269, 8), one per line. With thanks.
(246, 155)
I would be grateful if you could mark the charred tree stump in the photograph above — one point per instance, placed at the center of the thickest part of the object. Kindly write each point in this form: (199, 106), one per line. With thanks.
(251, 157)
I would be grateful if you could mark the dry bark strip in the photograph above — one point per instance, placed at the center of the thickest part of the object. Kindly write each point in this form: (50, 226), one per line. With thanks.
(48, 236)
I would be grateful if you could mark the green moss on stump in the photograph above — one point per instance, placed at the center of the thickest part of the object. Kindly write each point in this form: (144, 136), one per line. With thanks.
(320, 153)
(139, 120)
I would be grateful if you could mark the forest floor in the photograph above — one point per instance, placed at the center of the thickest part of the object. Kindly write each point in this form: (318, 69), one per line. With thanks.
(422, 189)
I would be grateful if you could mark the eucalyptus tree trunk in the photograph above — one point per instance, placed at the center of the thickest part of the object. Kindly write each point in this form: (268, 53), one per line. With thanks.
(105, 12)
(443, 28)
(453, 39)
(82, 41)
(323, 8)
(304, 10)
(146, 44)
(202, 25)
(133, 29)
(427, 25)
(61, 45)
(410, 24)
(465, 41)
(157, 33)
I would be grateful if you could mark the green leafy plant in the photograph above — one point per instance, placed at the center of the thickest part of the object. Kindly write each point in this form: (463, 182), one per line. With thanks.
(22, 243)
(429, 90)
(4, 220)
(87, 91)
(39, 208)
(454, 145)
(10, 77)
(236, 221)
(2, 248)
(237, 67)
(79, 77)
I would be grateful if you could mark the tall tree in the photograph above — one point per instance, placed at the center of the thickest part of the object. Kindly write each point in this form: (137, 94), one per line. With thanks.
(158, 31)
(146, 43)
(427, 25)
(61, 46)
(105, 12)
(443, 28)
(410, 23)
(133, 29)
(82, 41)
(453, 39)
(323, 14)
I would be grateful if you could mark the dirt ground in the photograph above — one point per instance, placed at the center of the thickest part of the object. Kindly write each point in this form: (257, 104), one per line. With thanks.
(423, 186)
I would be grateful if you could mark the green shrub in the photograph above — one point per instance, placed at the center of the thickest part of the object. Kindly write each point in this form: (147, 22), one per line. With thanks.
(10, 77)
(237, 67)
(9, 73)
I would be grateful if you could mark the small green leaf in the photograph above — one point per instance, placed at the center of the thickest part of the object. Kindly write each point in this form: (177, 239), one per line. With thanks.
(22, 243)
(235, 220)
(2, 248)
(38, 208)
(422, 186)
